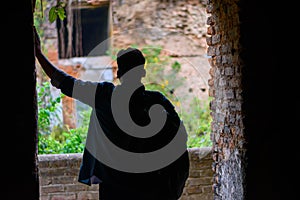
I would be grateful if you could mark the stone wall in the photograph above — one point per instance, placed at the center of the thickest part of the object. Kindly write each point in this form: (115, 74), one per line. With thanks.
(178, 27)
(226, 90)
(58, 177)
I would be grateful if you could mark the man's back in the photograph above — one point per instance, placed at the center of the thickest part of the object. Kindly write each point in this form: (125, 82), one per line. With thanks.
(153, 185)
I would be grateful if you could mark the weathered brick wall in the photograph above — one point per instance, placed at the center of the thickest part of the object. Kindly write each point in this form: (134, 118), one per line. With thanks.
(177, 26)
(58, 177)
(226, 89)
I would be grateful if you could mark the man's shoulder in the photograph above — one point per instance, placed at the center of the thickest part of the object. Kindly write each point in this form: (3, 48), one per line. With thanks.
(105, 88)
(155, 93)
(159, 97)
(107, 84)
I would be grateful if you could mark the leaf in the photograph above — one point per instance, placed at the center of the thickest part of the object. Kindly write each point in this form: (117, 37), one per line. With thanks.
(61, 13)
(52, 14)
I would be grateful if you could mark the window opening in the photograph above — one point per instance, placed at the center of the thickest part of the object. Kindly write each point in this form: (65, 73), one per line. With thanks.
(83, 29)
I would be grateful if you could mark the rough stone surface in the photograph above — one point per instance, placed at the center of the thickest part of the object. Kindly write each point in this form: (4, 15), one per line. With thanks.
(58, 177)
(226, 106)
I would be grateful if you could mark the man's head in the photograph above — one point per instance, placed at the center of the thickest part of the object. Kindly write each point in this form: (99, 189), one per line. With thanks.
(128, 59)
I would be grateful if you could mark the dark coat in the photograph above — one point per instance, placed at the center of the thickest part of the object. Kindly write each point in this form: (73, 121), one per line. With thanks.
(116, 184)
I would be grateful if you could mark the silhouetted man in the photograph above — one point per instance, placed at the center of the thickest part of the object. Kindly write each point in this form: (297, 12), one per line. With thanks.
(136, 143)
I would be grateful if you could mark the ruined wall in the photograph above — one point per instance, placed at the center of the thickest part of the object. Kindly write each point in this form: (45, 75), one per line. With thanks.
(226, 89)
(59, 173)
(178, 27)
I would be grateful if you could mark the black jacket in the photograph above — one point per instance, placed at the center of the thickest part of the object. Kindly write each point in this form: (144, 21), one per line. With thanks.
(98, 162)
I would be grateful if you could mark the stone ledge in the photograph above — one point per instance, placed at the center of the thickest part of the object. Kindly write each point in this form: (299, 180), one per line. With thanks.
(59, 173)
(202, 153)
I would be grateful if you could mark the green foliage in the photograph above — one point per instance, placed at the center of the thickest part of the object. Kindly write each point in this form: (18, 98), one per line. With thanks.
(57, 11)
(54, 137)
(38, 15)
(48, 109)
(155, 69)
(73, 142)
(69, 141)
(48, 145)
(39, 20)
(176, 66)
(197, 121)
(162, 74)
